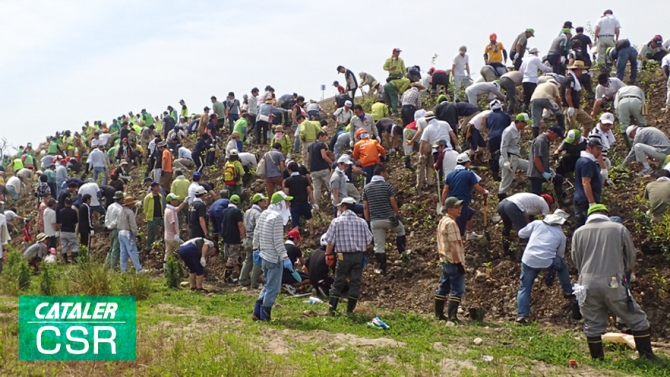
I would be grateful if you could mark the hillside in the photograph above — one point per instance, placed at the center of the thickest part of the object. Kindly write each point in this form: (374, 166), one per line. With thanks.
(492, 280)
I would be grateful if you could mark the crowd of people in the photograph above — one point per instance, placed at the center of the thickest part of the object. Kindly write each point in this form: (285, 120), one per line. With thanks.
(82, 180)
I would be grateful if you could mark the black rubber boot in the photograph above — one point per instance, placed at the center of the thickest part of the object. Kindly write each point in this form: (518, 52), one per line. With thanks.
(439, 307)
(351, 304)
(643, 345)
(400, 242)
(74, 257)
(228, 275)
(596, 347)
(523, 242)
(381, 262)
(536, 132)
(65, 260)
(560, 119)
(501, 196)
(452, 310)
(334, 300)
(408, 164)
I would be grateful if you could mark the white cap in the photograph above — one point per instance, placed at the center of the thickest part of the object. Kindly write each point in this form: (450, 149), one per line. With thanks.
(347, 103)
(495, 104)
(200, 191)
(463, 158)
(607, 118)
(419, 114)
(533, 50)
(322, 241)
(630, 129)
(345, 159)
(347, 200)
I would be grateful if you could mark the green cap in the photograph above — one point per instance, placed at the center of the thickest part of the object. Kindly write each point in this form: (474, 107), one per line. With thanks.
(531, 31)
(279, 197)
(171, 196)
(597, 208)
(573, 135)
(523, 117)
(235, 199)
(257, 198)
(452, 201)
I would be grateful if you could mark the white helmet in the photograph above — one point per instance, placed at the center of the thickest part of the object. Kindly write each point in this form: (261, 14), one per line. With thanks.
(323, 240)
(463, 158)
(495, 105)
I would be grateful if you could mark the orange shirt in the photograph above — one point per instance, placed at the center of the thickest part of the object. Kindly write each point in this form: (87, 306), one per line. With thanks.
(367, 152)
(167, 161)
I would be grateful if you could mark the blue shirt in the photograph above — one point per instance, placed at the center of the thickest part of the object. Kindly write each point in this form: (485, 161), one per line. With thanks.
(215, 212)
(545, 242)
(460, 184)
(587, 168)
(497, 121)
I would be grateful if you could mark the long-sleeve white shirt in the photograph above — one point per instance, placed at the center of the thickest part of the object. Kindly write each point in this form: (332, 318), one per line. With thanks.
(112, 216)
(545, 242)
(531, 64)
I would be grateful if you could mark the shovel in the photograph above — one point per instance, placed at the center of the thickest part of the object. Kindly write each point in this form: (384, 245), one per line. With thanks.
(438, 205)
(486, 219)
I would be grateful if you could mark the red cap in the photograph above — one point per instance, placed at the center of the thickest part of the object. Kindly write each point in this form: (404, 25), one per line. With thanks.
(294, 233)
(547, 198)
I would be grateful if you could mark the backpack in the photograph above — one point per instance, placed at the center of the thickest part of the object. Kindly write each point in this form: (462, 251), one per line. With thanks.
(229, 175)
(261, 169)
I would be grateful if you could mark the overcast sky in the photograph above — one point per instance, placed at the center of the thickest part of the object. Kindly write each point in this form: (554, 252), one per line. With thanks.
(65, 62)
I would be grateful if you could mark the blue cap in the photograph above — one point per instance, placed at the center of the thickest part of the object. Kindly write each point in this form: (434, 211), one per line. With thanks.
(147, 179)
(197, 174)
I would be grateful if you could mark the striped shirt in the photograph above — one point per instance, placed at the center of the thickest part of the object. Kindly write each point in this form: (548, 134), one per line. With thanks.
(378, 194)
(269, 238)
(530, 204)
(251, 219)
(349, 233)
(449, 239)
(607, 138)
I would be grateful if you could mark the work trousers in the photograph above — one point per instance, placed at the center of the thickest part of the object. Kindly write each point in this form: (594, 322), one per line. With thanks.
(349, 267)
(379, 228)
(516, 163)
(602, 299)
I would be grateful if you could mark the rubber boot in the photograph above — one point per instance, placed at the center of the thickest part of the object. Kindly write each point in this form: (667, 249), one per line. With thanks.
(502, 196)
(626, 139)
(228, 275)
(439, 308)
(574, 307)
(400, 242)
(381, 262)
(536, 132)
(334, 300)
(596, 347)
(257, 310)
(351, 304)
(408, 164)
(643, 345)
(523, 242)
(65, 260)
(560, 119)
(266, 313)
(452, 309)
(74, 257)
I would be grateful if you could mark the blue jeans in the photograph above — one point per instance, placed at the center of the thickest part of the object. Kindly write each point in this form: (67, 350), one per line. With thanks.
(129, 248)
(623, 57)
(451, 281)
(232, 118)
(528, 275)
(97, 171)
(272, 273)
(369, 172)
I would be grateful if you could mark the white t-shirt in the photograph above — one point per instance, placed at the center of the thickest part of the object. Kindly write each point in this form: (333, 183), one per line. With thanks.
(478, 120)
(607, 24)
(437, 130)
(460, 62)
(10, 215)
(184, 153)
(530, 204)
(191, 191)
(16, 183)
(248, 159)
(610, 91)
(91, 189)
(312, 106)
(449, 161)
(49, 220)
(666, 59)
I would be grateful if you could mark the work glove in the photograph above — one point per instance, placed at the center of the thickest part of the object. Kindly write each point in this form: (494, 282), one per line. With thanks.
(330, 259)
(592, 204)
(203, 262)
(92, 232)
(486, 192)
(605, 174)
(571, 111)
(546, 175)
(288, 264)
(57, 234)
(562, 59)
(443, 209)
(176, 238)
(351, 144)
(288, 156)
(459, 268)
(315, 207)
(507, 165)
(458, 149)
(379, 140)
(552, 173)
(138, 204)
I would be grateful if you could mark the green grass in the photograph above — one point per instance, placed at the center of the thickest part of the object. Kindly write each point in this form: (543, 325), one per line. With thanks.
(190, 334)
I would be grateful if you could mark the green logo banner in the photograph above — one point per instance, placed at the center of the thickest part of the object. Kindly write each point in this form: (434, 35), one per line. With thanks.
(77, 328)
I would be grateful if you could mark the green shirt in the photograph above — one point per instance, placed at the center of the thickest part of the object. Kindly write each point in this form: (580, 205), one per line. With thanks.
(241, 127)
(395, 66)
(379, 110)
(309, 129)
(180, 187)
(148, 119)
(218, 109)
(51, 175)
